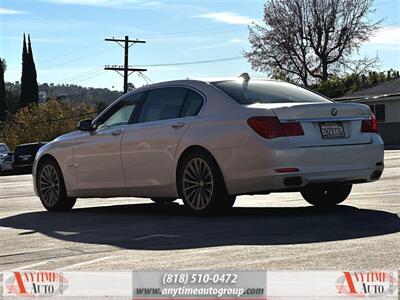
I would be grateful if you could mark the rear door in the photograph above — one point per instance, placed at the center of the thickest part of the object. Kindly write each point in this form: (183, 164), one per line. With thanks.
(148, 146)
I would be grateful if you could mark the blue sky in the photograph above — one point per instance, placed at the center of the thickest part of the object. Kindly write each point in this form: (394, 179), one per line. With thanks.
(69, 47)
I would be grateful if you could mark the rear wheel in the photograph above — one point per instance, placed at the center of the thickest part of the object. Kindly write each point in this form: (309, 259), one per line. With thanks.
(51, 187)
(326, 195)
(163, 200)
(201, 184)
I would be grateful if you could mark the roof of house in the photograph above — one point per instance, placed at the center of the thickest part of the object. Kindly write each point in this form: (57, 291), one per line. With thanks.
(385, 88)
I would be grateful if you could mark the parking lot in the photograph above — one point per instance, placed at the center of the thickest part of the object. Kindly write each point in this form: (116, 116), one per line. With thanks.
(277, 231)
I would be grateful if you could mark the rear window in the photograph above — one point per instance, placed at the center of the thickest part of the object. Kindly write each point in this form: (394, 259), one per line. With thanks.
(263, 91)
(27, 149)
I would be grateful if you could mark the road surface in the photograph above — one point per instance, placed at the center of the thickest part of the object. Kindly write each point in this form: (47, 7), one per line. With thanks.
(277, 231)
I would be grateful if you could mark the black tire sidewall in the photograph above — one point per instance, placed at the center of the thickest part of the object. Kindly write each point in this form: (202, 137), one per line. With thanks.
(336, 194)
(219, 198)
(64, 203)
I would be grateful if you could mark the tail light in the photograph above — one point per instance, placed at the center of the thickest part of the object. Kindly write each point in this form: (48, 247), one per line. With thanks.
(369, 125)
(271, 127)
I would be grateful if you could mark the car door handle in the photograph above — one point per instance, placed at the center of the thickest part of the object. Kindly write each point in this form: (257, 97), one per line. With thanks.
(116, 132)
(178, 125)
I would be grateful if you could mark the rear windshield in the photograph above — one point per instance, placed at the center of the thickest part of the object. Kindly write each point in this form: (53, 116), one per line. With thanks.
(263, 91)
(29, 149)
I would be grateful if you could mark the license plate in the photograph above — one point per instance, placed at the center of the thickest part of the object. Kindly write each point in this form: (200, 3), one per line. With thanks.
(332, 130)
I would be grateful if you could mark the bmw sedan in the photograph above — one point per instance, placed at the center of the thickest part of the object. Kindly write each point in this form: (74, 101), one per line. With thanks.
(207, 142)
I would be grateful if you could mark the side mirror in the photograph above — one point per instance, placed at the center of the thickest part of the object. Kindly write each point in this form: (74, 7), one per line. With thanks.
(85, 125)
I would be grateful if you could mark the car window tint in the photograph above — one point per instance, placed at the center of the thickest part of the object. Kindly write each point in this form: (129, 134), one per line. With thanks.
(193, 104)
(163, 104)
(121, 113)
(3, 149)
(264, 91)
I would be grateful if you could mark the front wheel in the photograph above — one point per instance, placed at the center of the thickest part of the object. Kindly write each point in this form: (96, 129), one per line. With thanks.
(51, 187)
(201, 184)
(326, 196)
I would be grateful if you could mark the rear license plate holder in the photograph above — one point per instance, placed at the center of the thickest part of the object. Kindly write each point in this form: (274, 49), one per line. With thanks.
(332, 130)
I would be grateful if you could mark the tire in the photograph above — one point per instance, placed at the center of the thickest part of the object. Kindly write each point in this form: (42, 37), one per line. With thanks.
(201, 185)
(326, 196)
(51, 187)
(163, 200)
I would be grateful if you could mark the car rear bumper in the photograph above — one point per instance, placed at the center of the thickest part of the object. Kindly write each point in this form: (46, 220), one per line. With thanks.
(254, 168)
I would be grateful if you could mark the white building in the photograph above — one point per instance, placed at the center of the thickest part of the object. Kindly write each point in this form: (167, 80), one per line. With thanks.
(42, 97)
(384, 101)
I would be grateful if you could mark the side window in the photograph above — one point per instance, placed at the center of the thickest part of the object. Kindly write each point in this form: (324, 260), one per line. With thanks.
(380, 112)
(120, 113)
(193, 104)
(163, 104)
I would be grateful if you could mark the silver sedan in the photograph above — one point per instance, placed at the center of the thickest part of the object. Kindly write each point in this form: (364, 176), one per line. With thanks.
(208, 141)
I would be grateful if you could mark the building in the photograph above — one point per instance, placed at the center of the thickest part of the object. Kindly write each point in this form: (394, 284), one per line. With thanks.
(42, 97)
(384, 101)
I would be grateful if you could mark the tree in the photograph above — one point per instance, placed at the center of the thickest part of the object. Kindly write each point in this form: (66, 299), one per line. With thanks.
(3, 101)
(34, 84)
(29, 86)
(310, 40)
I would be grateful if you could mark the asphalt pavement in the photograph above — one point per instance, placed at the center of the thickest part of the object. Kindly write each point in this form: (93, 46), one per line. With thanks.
(274, 232)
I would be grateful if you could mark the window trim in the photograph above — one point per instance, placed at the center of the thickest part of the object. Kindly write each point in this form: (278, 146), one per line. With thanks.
(145, 90)
(112, 108)
(189, 88)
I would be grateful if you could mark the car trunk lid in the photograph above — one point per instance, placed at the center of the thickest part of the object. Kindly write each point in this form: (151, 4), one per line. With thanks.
(324, 124)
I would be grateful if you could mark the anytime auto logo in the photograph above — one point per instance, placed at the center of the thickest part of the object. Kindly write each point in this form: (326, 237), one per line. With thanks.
(36, 283)
(367, 284)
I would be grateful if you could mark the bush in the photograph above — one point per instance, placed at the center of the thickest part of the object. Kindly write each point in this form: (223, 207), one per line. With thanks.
(43, 122)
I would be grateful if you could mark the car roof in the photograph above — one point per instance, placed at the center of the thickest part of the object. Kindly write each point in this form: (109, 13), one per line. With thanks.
(190, 81)
(32, 144)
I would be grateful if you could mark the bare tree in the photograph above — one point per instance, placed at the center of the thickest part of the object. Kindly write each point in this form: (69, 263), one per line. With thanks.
(310, 40)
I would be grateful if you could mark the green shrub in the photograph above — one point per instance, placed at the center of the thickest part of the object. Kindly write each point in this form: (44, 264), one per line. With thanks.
(43, 122)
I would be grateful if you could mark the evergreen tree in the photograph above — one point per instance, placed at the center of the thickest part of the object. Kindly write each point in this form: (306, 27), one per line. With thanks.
(29, 86)
(25, 92)
(33, 74)
(3, 102)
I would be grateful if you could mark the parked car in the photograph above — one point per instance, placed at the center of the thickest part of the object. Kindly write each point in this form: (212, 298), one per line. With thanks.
(24, 156)
(6, 162)
(4, 150)
(209, 141)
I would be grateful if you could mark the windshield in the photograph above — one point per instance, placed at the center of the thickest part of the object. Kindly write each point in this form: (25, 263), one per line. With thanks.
(266, 91)
(3, 149)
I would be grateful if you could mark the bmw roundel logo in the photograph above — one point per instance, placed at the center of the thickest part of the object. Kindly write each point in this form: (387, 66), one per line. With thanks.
(333, 111)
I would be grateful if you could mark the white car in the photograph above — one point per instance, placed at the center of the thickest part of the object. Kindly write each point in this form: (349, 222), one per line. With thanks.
(209, 141)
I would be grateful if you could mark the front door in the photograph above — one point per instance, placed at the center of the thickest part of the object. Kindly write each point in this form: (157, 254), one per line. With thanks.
(97, 154)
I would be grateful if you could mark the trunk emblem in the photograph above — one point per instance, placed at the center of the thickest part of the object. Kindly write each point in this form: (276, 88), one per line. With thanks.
(333, 111)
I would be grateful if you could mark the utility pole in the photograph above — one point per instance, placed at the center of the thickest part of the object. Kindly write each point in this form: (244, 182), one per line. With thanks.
(125, 68)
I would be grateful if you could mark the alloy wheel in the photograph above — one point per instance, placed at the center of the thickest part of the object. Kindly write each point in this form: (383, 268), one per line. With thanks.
(197, 183)
(49, 185)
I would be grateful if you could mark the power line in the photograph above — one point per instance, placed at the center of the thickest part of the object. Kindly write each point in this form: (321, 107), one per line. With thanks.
(79, 75)
(68, 53)
(194, 62)
(80, 58)
(189, 34)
